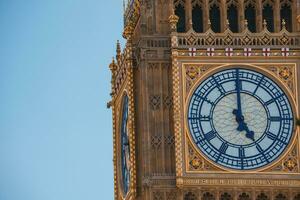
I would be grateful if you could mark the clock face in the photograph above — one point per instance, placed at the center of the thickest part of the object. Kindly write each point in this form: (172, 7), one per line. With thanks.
(125, 147)
(240, 119)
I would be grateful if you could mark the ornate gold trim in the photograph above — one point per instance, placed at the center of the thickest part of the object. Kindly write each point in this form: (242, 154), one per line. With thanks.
(181, 87)
(246, 66)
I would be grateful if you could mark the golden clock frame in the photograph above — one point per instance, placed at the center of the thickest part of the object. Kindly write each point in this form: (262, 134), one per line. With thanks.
(186, 177)
(117, 105)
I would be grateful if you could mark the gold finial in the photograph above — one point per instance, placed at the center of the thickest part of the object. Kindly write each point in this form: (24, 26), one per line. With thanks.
(173, 20)
(209, 23)
(246, 23)
(283, 23)
(227, 24)
(113, 65)
(298, 19)
(265, 24)
(191, 23)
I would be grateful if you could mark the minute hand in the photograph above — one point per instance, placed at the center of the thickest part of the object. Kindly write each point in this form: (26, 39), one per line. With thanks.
(238, 112)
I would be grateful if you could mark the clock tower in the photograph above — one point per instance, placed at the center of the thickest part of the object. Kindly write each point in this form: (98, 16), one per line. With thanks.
(205, 100)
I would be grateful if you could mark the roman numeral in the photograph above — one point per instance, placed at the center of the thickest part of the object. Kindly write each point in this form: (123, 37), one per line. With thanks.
(223, 148)
(210, 135)
(258, 147)
(201, 118)
(273, 99)
(204, 99)
(219, 86)
(275, 119)
(271, 136)
(270, 101)
(259, 83)
(241, 152)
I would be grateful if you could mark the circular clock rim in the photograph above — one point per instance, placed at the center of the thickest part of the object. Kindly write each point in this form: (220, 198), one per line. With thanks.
(120, 117)
(255, 69)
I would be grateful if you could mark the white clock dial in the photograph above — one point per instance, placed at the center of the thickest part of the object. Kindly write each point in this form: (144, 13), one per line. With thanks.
(240, 119)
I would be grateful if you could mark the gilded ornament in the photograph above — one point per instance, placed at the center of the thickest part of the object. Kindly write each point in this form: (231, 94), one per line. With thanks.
(290, 164)
(285, 73)
(195, 163)
(128, 31)
(173, 19)
(192, 72)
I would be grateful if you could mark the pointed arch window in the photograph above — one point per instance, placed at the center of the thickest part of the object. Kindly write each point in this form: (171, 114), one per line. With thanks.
(280, 197)
(250, 16)
(190, 196)
(244, 196)
(232, 14)
(297, 197)
(268, 15)
(214, 16)
(286, 15)
(262, 196)
(226, 196)
(180, 12)
(208, 196)
(197, 16)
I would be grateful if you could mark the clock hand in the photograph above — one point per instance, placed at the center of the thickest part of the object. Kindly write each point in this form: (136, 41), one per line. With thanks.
(242, 126)
(238, 112)
(249, 134)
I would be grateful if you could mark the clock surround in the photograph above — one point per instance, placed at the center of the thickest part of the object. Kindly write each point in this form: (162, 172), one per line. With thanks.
(191, 75)
(213, 144)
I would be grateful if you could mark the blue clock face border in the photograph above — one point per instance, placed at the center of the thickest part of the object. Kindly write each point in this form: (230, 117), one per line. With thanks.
(244, 148)
(125, 147)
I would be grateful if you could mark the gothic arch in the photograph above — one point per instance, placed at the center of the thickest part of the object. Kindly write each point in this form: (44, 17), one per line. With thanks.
(280, 196)
(197, 15)
(215, 15)
(208, 196)
(180, 12)
(250, 15)
(286, 13)
(297, 197)
(190, 196)
(226, 196)
(268, 14)
(262, 196)
(233, 15)
(244, 196)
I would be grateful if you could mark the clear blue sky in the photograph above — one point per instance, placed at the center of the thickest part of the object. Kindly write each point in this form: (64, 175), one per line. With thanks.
(55, 130)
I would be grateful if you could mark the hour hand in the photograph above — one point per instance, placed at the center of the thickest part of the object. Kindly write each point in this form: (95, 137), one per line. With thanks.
(250, 135)
(242, 126)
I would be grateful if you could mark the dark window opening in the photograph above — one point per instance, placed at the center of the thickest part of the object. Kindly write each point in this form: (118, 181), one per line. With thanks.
(197, 19)
(232, 15)
(214, 16)
(208, 196)
(180, 12)
(190, 196)
(268, 16)
(297, 197)
(286, 14)
(250, 16)
(262, 196)
(280, 197)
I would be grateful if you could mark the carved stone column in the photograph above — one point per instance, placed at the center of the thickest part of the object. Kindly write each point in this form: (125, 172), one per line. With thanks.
(205, 15)
(295, 12)
(259, 18)
(276, 14)
(223, 9)
(188, 11)
(241, 15)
